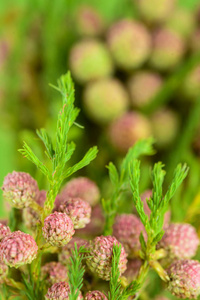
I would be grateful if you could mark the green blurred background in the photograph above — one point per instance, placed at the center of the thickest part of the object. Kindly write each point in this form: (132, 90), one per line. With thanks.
(36, 42)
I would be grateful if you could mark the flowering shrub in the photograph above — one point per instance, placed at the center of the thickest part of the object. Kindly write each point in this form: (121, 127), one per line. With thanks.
(114, 265)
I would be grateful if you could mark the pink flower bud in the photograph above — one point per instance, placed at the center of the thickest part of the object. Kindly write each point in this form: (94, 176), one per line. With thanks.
(165, 126)
(58, 229)
(17, 249)
(155, 11)
(20, 189)
(168, 49)
(90, 60)
(127, 229)
(89, 21)
(54, 272)
(129, 43)
(99, 260)
(81, 187)
(180, 241)
(95, 295)
(128, 129)
(143, 87)
(105, 100)
(78, 210)
(60, 291)
(184, 278)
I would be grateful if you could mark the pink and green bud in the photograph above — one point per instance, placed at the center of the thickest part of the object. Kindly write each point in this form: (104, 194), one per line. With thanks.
(184, 279)
(190, 87)
(99, 259)
(127, 229)
(105, 100)
(20, 189)
(180, 241)
(81, 187)
(128, 129)
(54, 272)
(165, 126)
(17, 249)
(60, 291)
(143, 87)
(58, 229)
(78, 210)
(90, 60)
(129, 43)
(95, 295)
(88, 21)
(168, 49)
(155, 11)
(181, 21)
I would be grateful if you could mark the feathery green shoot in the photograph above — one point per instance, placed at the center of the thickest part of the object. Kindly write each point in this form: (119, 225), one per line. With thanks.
(76, 272)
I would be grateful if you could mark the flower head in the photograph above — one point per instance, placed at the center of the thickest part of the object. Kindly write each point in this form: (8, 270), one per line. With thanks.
(180, 241)
(90, 60)
(20, 189)
(95, 295)
(78, 210)
(127, 229)
(168, 49)
(129, 43)
(54, 272)
(17, 249)
(100, 256)
(60, 291)
(81, 187)
(105, 100)
(128, 129)
(143, 87)
(58, 229)
(184, 278)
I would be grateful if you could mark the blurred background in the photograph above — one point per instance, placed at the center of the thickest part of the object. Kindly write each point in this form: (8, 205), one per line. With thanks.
(136, 69)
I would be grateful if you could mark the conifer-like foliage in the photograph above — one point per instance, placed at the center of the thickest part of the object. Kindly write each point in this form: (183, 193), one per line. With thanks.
(60, 151)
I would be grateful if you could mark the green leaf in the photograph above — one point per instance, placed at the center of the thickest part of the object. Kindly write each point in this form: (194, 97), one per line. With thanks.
(180, 174)
(134, 173)
(143, 243)
(158, 175)
(141, 147)
(75, 273)
(115, 286)
(89, 156)
(70, 150)
(113, 174)
(43, 135)
(28, 153)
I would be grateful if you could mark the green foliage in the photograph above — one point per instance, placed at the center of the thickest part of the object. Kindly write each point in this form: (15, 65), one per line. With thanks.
(120, 179)
(115, 286)
(158, 203)
(76, 272)
(60, 151)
